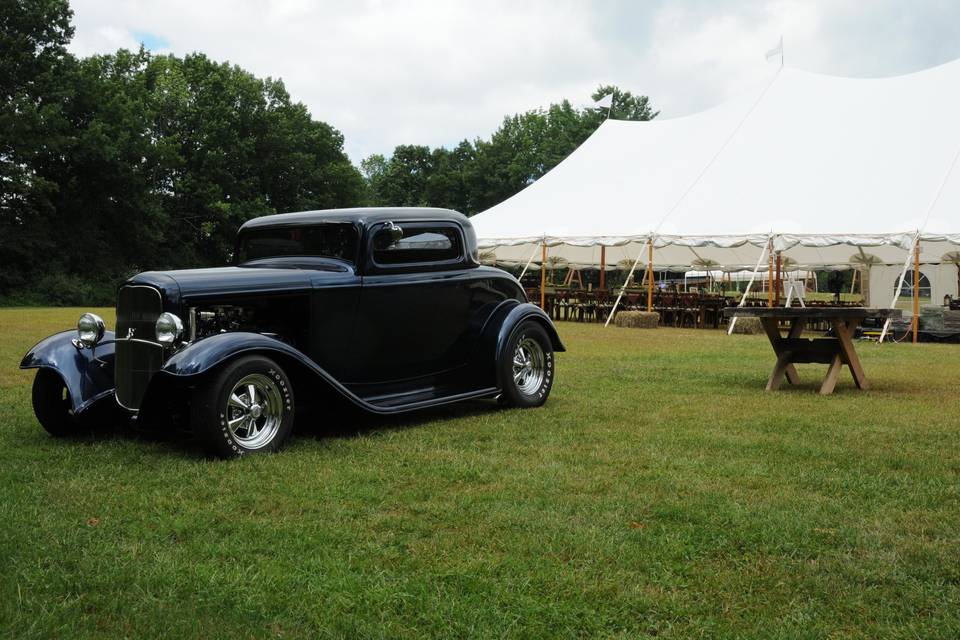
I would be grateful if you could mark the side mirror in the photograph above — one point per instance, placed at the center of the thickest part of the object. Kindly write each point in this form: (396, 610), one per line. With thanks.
(396, 232)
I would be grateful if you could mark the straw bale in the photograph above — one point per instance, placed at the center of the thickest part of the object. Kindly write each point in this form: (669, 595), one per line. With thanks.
(637, 319)
(748, 326)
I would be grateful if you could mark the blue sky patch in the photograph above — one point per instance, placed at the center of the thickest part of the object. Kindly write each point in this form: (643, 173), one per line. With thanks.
(151, 40)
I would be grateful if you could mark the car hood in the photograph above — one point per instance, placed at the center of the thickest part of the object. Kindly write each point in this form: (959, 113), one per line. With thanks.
(186, 284)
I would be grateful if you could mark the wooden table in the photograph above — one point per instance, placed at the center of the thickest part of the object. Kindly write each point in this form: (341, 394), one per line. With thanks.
(835, 351)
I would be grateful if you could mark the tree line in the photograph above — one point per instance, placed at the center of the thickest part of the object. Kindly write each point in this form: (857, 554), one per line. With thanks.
(473, 176)
(113, 164)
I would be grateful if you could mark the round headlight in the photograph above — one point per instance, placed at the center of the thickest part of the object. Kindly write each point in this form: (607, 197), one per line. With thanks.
(90, 329)
(169, 328)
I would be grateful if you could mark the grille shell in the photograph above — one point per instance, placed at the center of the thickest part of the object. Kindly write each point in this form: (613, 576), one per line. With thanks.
(138, 355)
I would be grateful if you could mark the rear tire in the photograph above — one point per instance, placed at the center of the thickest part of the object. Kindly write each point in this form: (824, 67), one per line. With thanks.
(246, 408)
(53, 407)
(526, 366)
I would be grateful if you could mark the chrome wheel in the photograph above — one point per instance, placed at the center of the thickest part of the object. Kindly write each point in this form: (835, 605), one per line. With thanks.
(255, 410)
(529, 366)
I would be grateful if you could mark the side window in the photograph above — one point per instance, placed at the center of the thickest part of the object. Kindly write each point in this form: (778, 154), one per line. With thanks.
(416, 245)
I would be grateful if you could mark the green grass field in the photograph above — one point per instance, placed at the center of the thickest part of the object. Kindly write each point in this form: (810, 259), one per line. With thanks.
(660, 492)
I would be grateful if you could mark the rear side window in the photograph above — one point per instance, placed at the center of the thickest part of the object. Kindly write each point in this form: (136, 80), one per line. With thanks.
(333, 240)
(416, 245)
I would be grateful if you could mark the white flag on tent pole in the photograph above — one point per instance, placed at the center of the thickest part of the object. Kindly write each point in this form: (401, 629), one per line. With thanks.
(777, 51)
(606, 102)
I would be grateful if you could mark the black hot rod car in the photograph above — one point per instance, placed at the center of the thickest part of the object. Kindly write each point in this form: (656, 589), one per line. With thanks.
(388, 308)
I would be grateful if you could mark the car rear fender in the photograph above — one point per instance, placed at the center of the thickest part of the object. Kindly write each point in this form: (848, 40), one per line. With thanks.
(87, 373)
(500, 327)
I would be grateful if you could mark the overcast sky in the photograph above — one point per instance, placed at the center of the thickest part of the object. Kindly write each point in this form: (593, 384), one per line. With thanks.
(436, 72)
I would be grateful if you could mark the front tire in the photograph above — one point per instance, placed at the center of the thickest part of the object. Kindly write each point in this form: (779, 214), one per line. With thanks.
(526, 366)
(53, 407)
(246, 408)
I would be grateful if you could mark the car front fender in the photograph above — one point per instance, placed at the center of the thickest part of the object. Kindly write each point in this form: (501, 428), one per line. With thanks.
(209, 354)
(87, 373)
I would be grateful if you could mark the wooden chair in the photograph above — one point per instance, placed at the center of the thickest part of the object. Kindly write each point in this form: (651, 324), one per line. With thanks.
(689, 310)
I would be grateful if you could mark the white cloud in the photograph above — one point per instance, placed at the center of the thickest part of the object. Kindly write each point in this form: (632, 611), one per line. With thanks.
(105, 38)
(429, 72)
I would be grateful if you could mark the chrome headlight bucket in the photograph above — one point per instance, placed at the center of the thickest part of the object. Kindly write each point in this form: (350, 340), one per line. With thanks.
(169, 328)
(90, 328)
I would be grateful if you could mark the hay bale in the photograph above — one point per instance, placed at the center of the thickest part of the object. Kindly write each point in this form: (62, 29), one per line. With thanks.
(932, 311)
(637, 319)
(748, 326)
(951, 318)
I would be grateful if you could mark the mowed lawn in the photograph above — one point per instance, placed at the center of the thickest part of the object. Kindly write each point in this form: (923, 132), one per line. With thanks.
(660, 492)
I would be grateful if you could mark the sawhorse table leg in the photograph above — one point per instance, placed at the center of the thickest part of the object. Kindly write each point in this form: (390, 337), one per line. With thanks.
(847, 356)
(784, 366)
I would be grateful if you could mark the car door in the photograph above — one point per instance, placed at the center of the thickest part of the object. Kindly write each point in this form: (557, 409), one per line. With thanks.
(415, 301)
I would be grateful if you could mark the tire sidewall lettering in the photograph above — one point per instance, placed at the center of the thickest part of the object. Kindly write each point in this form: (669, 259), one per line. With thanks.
(225, 432)
(541, 393)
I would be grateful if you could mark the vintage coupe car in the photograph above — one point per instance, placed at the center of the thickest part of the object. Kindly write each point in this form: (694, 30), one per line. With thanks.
(389, 309)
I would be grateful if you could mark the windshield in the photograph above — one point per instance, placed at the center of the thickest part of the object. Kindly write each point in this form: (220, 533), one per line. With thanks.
(324, 240)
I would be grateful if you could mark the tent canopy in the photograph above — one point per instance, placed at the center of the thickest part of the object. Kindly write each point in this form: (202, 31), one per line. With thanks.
(829, 170)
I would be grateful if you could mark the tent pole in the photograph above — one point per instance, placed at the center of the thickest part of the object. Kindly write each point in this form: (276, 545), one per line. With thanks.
(896, 294)
(770, 281)
(650, 279)
(616, 304)
(543, 275)
(779, 277)
(603, 267)
(746, 292)
(916, 290)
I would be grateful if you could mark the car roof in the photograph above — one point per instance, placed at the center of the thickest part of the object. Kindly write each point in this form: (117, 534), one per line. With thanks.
(360, 215)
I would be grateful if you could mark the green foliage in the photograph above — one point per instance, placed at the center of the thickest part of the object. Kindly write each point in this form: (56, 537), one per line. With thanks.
(660, 492)
(65, 290)
(33, 129)
(474, 176)
(117, 163)
(626, 106)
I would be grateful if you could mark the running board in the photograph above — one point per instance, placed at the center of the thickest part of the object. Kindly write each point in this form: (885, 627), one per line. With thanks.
(423, 398)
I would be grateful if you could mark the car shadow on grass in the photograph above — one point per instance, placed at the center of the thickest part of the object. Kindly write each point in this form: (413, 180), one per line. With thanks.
(331, 420)
(172, 441)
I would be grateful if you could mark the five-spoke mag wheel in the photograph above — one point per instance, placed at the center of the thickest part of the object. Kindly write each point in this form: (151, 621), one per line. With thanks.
(255, 410)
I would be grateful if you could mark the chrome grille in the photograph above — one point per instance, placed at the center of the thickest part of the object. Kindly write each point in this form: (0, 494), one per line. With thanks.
(138, 356)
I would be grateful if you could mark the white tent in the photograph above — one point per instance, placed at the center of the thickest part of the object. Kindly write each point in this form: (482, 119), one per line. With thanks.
(823, 169)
